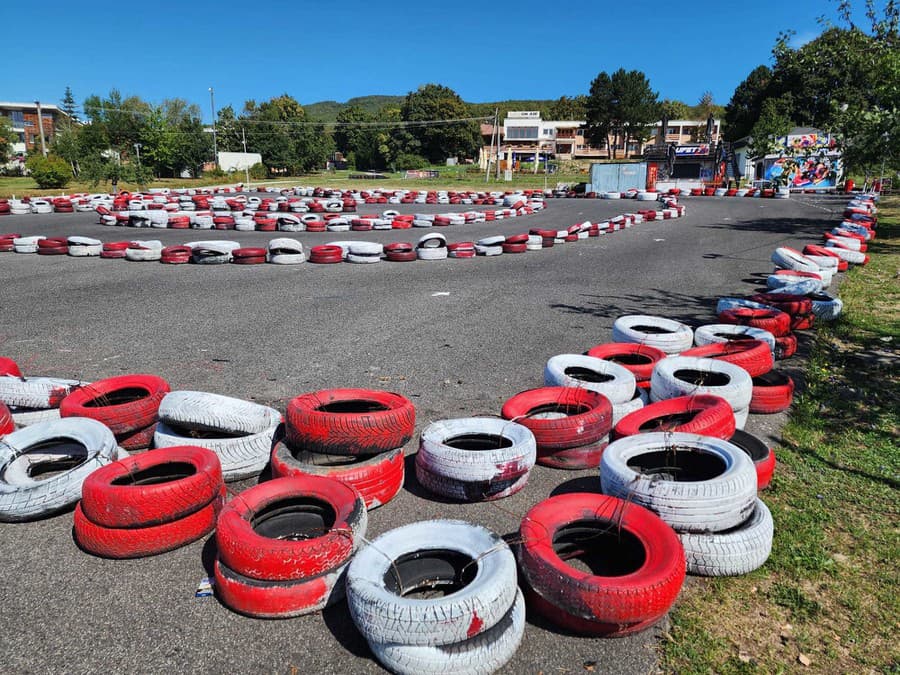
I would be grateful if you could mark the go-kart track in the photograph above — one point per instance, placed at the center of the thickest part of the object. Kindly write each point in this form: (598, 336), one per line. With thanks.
(458, 337)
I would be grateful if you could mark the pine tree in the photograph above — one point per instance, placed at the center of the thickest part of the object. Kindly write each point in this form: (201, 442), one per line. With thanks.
(68, 106)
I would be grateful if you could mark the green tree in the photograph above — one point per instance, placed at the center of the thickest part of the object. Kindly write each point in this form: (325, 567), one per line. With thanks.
(568, 108)
(7, 138)
(427, 108)
(228, 131)
(674, 110)
(743, 109)
(774, 121)
(621, 107)
(66, 144)
(68, 105)
(288, 142)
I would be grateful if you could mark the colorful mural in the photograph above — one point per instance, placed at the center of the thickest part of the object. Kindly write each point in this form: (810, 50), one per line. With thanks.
(810, 172)
(803, 143)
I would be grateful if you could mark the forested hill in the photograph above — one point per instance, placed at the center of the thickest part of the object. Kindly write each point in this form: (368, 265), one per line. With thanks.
(327, 111)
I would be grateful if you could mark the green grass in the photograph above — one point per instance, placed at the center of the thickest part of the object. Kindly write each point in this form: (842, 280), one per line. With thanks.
(829, 591)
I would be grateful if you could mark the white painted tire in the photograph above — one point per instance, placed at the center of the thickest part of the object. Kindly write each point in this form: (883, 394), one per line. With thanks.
(629, 329)
(853, 257)
(665, 382)
(35, 392)
(488, 250)
(432, 253)
(797, 285)
(143, 254)
(618, 383)
(737, 551)
(203, 411)
(718, 503)
(365, 248)
(25, 417)
(384, 616)
(30, 498)
(724, 332)
(483, 654)
(734, 303)
(789, 259)
(639, 399)
(826, 307)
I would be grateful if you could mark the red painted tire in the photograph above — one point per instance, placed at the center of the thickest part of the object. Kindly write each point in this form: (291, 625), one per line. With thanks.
(124, 403)
(290, 528)
(789, 304)
(277, 599)
(772, 393)
(55, 250)
(814, 249)
(754, 356)
(155, 487)
(639, 359)
(517, 239)
(9, 367)
(401, 256)
(762, 455)
(622, 593)
(138, 439)
(776, 322)
(258, 260)
(785, 346)
(248, 253)
(514, 248)
(702, 414)
(349, 421)
(399, 247)
(139, 542)
(52, 243)
(803, 322)
(377, 478)
(325, 254)
(7, 426)
(574, 459)
(587, 416)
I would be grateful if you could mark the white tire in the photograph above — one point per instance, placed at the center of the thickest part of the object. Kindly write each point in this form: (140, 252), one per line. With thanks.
(488, 250)
(688, 375)
(31, 498)
(853, 257)
(432, 253)
(789, 259)
(694, 483)
(636, 402)
(734, 303)
(483, 654)
(35, 392)
(615, 382)
(797, 285)
(648, 330)
(737, 551)
(384, 616)
(362, 259)
(286, 258)
(25, 417)
(724, 332)
(85, 251)
(826, 307)
(143, 254)
(203, 411)
(491, 241)
(365, 248)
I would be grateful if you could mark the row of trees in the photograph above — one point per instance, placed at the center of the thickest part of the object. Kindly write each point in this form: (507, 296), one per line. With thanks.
(847, 81)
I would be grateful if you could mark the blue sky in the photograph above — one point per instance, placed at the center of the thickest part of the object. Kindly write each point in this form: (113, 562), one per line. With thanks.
(319, 51)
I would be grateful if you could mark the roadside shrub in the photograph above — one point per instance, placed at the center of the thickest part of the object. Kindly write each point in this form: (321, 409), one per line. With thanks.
(49, 172)
(408, 161)
(258, 171)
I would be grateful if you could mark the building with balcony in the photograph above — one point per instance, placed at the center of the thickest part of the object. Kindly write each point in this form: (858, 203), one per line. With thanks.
(27, 126)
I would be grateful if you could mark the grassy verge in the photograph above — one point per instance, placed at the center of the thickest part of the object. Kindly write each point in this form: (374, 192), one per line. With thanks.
(827, 601)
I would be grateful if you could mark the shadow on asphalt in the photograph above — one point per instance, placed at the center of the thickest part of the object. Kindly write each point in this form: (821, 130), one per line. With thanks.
(412, 485)
(338, 622)
(656, 301)
(580, 484)
(793, 227)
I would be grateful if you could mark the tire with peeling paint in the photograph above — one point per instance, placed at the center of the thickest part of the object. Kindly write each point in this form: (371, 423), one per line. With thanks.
(740, 550)
(473, 564)
(485, 653)
(694, 483)
(635, 561)
(561, 417)
(475, 458)
(665, 334)
(727, 332)
(291, 528)
(615, 382)
(202, 411)
(35, 392)
(377, 478)
(704, 414)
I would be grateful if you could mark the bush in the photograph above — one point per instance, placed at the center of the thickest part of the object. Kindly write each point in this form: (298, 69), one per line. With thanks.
(49, 172)
(404, 162)
(258, 171)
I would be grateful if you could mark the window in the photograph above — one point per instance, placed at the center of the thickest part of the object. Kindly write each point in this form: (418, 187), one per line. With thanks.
(522, 133)
(673, 130)
(18, 117)
(29, 123)
(21, 137)
(548, 132)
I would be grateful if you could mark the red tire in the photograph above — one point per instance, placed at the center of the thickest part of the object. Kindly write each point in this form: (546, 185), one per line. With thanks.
(349, 421)
(639, 359)
(517, 239)
(789, 304)
(248, 253)
(637, 560)
(9, 367)
(754, 356)
(139, 439)
(290, 528)
(139, 542)
(401, 256)
(7, 426)
(702, 414)
(772, 393)
(586, 416)
(124, 403)
(776, 322)
(155, 487)
(762, 455)
(399, 247)
(377, 479)
(256, 260)
(802, 322)
(276, 599)
(574, 459)
(325, 254)
(514, 248)
(785, 346)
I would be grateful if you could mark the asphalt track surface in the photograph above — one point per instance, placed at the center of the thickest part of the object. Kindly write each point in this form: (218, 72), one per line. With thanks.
(458, 337)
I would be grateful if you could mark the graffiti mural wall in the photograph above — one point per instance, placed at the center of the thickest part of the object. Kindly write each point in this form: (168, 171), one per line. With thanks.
(811, 161)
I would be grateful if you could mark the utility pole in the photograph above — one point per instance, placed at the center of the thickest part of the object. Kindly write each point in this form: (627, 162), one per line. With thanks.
(487, 164)
(212, 108)
(497, 127)
(246, 169)
(41, 128)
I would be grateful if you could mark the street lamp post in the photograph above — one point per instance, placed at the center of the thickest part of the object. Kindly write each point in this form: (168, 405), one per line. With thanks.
(212, 108)
(137, 150)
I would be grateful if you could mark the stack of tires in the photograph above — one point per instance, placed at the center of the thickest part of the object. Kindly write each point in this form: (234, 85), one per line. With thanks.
(355, 436)
(151, 503)
(32, 399)
(475, 459)
(127, 404)
(283, 546)
(44, 465)
(571, 425)
(476, 623)
(239, 432)
(704, 488)
(635, 563)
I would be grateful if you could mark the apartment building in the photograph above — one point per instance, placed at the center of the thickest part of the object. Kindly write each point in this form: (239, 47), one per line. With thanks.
(28, 126)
